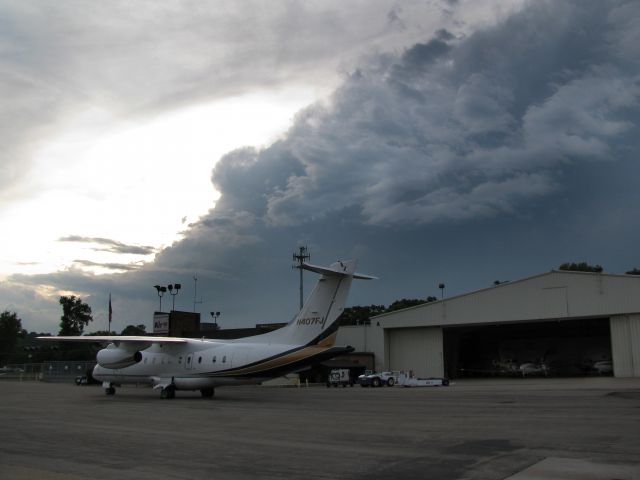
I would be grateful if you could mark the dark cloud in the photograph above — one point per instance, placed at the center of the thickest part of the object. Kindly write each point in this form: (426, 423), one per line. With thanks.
(421, 55)
(108, 266)
(109, 245)
(462, 160)
(447, 131)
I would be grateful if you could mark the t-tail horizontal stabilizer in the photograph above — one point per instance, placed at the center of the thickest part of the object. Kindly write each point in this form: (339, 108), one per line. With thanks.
(339, 268)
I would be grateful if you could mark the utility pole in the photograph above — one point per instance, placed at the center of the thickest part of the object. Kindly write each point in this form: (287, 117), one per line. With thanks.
(300, 257)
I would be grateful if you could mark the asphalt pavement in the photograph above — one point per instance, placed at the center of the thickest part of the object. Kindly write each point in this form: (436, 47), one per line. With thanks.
(517, 429)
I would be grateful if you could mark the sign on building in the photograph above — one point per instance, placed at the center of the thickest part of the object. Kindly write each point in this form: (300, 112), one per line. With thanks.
(161, 323)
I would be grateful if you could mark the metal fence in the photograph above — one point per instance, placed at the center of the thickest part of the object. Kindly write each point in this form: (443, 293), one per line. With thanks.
(59, 371)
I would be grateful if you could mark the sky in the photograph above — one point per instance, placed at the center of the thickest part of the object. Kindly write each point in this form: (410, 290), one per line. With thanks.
(445, 141)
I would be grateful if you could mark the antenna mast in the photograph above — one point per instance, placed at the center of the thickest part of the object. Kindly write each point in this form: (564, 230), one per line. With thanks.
(195, 293)
(300, 257)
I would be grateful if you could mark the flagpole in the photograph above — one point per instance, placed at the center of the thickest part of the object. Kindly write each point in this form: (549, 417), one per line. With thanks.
(110, 314)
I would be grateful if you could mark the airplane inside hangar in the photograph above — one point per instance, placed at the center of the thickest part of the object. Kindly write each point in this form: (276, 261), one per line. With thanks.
(559, 323)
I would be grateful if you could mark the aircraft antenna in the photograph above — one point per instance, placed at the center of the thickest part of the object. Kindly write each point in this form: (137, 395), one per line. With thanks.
(302, 255)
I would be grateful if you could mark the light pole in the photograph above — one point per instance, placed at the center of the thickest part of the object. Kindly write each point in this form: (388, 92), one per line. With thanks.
(161, 291)
(215, 316)
(174, 288)
(441, 287)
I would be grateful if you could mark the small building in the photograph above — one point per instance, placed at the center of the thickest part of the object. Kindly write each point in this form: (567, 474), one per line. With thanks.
(556, 323)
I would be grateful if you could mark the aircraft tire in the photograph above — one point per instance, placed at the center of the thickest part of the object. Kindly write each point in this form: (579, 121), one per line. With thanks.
(168, 393)
(207, 392)
(110, 391)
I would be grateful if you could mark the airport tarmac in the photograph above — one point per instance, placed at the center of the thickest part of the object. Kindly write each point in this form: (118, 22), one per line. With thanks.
(516, 429)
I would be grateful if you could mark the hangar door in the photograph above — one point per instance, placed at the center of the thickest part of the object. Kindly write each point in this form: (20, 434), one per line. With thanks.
(416, 349)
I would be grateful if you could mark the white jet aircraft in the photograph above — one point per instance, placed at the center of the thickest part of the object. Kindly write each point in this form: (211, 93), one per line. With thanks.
(171, 363)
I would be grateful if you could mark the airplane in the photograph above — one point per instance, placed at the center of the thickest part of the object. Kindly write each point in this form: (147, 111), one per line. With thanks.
(172, 363)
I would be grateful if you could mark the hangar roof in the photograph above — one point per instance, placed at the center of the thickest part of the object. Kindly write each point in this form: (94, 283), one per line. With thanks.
(555, 295)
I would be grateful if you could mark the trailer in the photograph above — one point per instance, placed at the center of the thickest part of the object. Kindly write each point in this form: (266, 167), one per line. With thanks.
(408, 380)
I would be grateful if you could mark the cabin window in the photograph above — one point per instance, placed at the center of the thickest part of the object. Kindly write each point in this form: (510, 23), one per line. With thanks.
(224, 359)
(188, 359)
(199, 359)
(179, 359)
(214, 359)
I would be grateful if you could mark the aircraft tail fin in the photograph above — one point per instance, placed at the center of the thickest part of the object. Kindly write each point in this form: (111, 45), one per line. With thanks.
(315, 324)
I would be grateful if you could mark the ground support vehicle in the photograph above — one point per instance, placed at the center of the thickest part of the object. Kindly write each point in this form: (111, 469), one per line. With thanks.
(340, 376)
(408, 380)
(373, 379)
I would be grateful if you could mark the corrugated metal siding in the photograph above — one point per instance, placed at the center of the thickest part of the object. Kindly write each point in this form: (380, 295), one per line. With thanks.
(417, 349)
(625, 345)
(554, 295)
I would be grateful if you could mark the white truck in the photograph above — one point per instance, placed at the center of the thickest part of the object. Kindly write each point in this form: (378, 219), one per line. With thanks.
(339, 376)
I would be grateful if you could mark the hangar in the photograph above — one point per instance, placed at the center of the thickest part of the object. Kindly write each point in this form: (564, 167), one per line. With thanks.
(555, 323)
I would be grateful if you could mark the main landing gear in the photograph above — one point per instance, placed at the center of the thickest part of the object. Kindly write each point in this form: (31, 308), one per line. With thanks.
(207, 392)
(168, 392)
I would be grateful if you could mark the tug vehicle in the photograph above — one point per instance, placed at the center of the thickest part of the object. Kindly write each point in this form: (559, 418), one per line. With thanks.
(373, 379)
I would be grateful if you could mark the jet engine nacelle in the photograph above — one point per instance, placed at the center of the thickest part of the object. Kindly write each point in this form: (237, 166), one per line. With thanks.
(115, 357)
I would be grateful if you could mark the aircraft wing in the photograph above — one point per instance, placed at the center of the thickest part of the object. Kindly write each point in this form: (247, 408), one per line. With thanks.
(116, 339)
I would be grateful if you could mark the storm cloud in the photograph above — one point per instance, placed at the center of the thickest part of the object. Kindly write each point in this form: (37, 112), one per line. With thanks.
(464, 158)
(453, 130)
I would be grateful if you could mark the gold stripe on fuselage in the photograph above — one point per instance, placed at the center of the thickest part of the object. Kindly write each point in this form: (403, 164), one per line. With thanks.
(276, 362)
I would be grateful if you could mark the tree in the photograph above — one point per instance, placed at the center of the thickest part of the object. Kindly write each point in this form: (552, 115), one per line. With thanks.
(580, 267)
(408, 302)
(75, 315)
(358, 315)
(134, 330)
(10, 330)
(635, 271)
